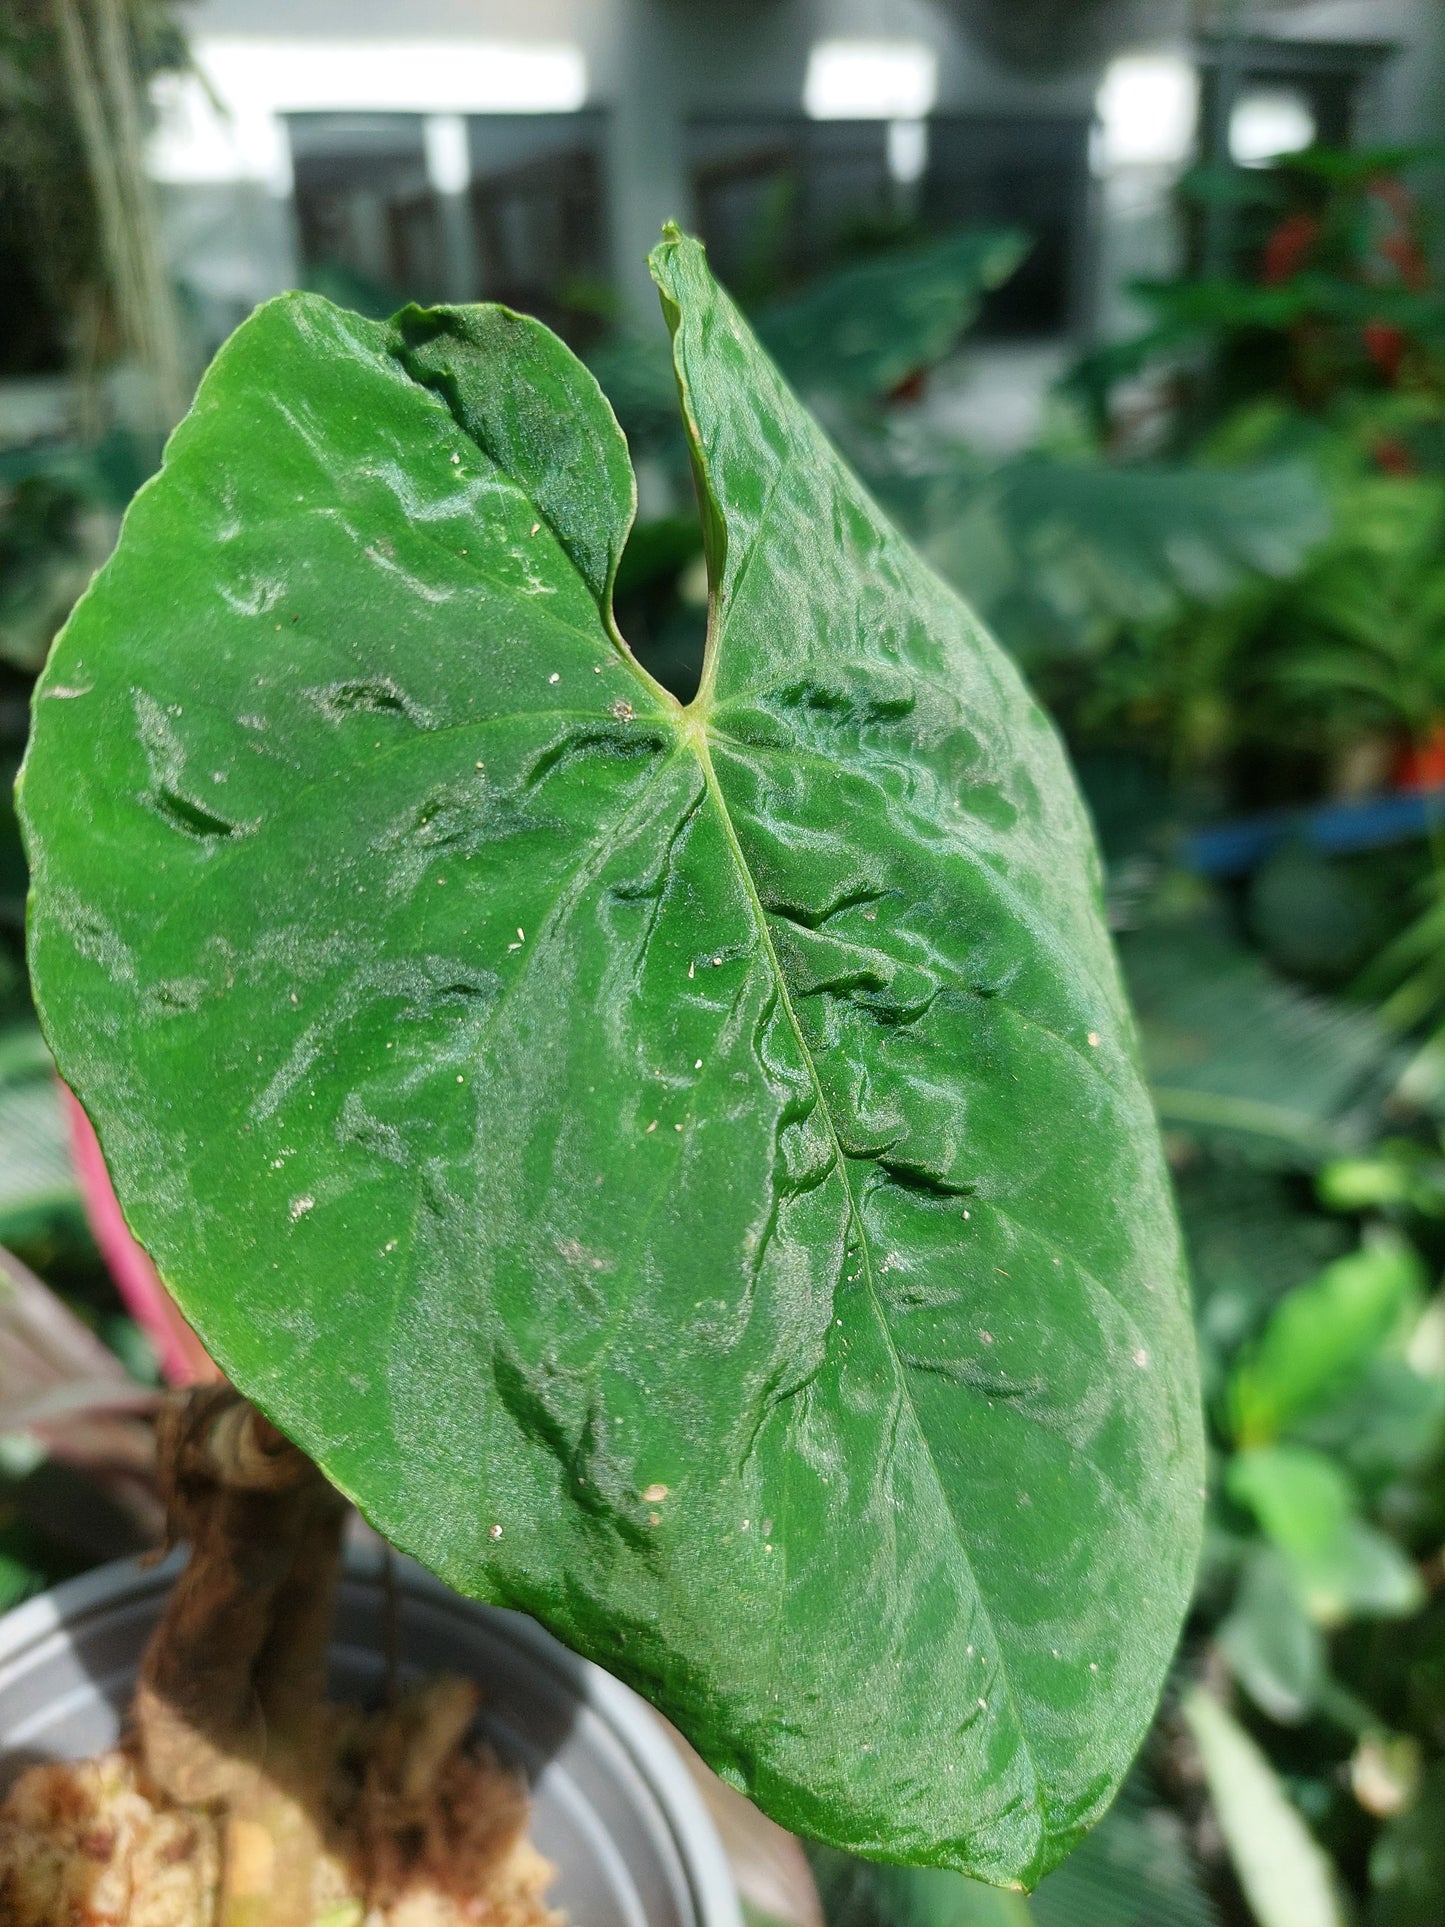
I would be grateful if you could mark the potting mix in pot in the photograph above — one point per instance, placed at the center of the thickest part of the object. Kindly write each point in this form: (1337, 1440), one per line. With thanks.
(683, 1171)
(239, 1795)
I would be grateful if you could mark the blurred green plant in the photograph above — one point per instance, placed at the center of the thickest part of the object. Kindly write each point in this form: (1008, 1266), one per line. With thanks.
(43, 568)
(1246, 1061)
(1328, 290)
(1286, 1877)
(880, 323)
(1319, 1632)
(77, 225)
(1234, 598)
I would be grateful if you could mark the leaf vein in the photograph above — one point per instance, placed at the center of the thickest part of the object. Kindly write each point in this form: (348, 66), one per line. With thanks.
(900, 1373)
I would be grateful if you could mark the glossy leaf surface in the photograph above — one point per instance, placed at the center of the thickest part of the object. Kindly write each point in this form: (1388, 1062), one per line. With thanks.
(685, 1172)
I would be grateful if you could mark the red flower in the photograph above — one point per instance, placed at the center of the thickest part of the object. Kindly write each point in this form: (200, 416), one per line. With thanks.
(1385, 345)
(1421, 764)
(1287, 249)
(1393, 457)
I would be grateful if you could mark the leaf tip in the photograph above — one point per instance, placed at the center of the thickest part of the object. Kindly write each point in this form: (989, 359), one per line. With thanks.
(663, 261)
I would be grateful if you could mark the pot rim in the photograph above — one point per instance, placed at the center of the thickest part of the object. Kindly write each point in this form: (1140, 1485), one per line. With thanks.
(625, 1713)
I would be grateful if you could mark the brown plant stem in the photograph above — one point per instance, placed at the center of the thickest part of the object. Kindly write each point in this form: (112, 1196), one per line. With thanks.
(228, 1711)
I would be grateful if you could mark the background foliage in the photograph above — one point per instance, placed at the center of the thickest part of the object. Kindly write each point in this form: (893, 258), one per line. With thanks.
(1231, 592)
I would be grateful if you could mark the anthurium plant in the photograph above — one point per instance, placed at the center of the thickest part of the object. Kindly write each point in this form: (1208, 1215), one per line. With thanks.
(683, 1171)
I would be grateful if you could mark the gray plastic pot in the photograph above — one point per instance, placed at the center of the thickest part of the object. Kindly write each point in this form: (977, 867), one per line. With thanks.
(613, 1808)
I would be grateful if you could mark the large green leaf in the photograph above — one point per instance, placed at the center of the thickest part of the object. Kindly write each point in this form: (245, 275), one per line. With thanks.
(686, 1172)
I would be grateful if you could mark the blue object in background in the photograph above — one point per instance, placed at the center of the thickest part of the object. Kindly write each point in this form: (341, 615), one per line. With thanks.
(1234, 849)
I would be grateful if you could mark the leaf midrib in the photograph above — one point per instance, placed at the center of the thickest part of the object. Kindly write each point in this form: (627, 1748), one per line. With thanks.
(694, 720)
(691, 723)
(697, 739)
